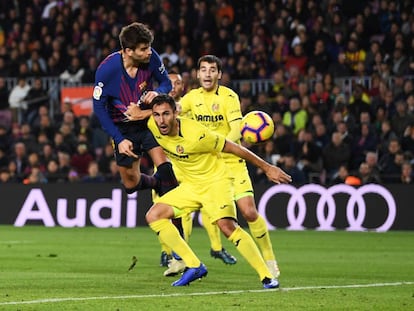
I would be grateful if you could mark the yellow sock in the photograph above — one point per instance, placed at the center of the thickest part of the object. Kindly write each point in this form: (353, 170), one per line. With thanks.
(260, 234)
(213, 233)
(164, 247)
(187, 223)
(248, 249)
(168, 233)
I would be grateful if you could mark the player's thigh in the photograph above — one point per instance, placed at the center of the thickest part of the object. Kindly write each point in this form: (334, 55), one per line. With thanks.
(183, 198)
(241, 180)
(150, 145)
(130, 174)
(247, 207)
(157, 155)
(217, 200)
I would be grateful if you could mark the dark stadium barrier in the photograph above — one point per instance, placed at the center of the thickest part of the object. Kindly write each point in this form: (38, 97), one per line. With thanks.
(312, 206)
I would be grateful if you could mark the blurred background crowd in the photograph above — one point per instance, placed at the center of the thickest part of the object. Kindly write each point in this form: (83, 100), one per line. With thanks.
(327, 131)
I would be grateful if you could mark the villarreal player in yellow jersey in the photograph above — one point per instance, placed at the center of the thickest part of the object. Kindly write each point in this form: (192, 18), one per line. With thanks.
(197, 153)
(218, 108)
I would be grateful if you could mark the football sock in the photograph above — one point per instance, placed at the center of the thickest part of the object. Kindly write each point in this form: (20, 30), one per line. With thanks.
(213, 232)
(178, 224)
(248, 249)
(145, 182)
(164, 247)
(258, 229)
(166, 177)
(187, 224)
(168, 233)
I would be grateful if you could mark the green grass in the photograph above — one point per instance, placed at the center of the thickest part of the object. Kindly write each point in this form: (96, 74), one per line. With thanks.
(86, 269)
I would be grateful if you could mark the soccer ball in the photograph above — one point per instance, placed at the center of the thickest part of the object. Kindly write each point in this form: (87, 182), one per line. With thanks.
(257, 126)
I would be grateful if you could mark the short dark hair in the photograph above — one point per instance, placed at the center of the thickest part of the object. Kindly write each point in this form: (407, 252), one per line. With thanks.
(211, 59)
(134, 34)
(164, 98)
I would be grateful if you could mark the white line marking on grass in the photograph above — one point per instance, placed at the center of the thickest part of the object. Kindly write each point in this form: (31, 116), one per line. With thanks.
(15, 242)
(51, 300)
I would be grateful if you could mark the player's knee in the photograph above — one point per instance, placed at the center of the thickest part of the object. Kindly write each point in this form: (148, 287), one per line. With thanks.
(166, 176)
(227, 226)
(250, 215)
(129, 189)
(150, 216)
(165, 173)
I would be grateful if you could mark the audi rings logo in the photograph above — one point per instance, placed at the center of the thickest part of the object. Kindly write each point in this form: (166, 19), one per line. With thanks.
(326, 206)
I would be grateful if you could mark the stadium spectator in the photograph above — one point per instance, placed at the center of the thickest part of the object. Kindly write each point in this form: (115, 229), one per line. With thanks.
(289, 164)
(354, 54)
(359, 102)
(407, 176)
(319, 100)
(6, 140)
(391, 160)
(105, 159)
(401, 119)
(113, 175)
(335, 154)
(36, 97)
(4, 95)
(297, 59)
(308, 155)
(35, 177)
(341, 176)
(52, 173)
(80, 159)
(282, 139)
(5, 177)
(365, 140)
(93, 175)
(74, 72)
(33, 161)
(88, 76)
(366, 175)
(19, 157)
(17, 99)
(4, 161)
(296, 117)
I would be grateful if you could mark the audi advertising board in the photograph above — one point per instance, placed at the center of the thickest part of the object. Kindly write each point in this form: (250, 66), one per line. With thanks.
(312, 206)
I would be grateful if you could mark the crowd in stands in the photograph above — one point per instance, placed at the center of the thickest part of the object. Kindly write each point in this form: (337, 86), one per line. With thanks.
(323, 133)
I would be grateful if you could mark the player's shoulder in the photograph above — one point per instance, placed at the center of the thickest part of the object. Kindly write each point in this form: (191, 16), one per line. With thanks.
(110, 65)
(226, 91)
(194, 92)
(190, 126)
(190, 95)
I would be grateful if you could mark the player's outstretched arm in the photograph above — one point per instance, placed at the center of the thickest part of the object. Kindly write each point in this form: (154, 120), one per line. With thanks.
(272, 172)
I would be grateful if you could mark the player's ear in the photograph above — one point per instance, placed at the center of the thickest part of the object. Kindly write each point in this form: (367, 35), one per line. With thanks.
(128, 51)
(220, 74)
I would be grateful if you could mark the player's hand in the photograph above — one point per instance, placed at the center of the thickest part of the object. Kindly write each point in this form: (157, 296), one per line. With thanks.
(148, 97)
(135, 113)
(277, 175)
(125, 147)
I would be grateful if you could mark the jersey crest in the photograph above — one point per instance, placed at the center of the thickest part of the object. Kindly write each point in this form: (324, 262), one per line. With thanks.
(179, 149)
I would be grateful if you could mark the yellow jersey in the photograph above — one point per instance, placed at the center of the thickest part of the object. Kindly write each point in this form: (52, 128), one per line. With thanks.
(215, 109)
(195, 152)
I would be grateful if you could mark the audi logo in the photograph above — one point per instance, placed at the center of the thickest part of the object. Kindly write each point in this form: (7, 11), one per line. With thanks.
(326, 206)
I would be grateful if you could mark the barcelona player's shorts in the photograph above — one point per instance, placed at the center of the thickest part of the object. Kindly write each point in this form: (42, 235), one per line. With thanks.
(141, 138)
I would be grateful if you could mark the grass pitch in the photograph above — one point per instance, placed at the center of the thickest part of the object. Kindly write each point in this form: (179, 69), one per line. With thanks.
(87, 269)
